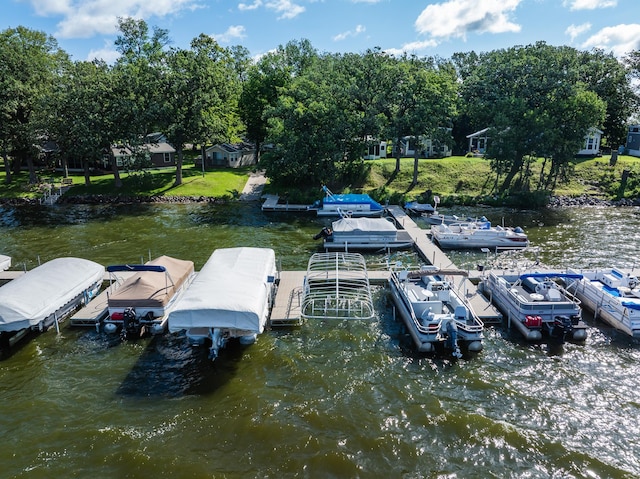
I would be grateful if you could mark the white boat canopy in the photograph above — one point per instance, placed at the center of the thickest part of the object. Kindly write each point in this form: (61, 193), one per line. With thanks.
(231, 291)
(40, 292)
(366, 225)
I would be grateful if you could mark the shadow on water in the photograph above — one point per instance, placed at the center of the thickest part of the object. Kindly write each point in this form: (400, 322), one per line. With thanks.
(170, 367)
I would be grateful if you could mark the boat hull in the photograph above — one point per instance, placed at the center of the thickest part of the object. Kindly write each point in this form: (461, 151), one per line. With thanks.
(607, 293)
(424, 314)
(533, 315)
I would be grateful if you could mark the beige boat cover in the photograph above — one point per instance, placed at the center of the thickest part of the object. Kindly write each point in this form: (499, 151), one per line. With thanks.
(151, 289)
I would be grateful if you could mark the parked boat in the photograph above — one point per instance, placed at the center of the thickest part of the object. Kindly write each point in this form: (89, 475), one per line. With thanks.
(349, 204)
(5, 262)
(480, 234)
(45, 296)
(439, 219)
(536, 304)
(435, 315)
(348, 234)
(231, 297)
(612, 294)
(142, 301)
(416, 208)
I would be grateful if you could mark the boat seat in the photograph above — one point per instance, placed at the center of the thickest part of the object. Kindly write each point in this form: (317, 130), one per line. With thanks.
(610, 280)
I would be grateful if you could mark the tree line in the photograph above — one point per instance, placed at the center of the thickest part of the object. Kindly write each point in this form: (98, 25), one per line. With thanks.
(312, 115)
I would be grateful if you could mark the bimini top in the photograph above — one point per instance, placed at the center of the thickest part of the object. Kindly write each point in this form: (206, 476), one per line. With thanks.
(40, 292)
(366, 225)
(230, 291)
(153, 285)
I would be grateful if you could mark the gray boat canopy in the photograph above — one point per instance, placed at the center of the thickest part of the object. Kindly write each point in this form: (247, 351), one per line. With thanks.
(40, 292)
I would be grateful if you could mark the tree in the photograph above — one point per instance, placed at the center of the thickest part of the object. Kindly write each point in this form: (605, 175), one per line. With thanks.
(29, 61)
(82, 119)
(200, 95)
(535, 102)
(260, 92)
(604, 75)
(137, 84)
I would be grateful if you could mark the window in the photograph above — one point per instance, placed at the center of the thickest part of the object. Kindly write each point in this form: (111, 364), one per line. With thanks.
(167, 157)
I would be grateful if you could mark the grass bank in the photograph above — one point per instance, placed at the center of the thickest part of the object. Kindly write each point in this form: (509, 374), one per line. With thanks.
(457, 180)
(222, 183)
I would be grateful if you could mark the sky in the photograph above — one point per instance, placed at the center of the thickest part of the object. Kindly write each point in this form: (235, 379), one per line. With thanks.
(86, 29)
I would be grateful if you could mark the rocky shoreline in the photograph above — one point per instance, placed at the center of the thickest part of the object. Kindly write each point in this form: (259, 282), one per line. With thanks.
(554, 201)
(586, 200)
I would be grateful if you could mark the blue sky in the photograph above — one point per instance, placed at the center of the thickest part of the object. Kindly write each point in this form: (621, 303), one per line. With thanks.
(86, 29)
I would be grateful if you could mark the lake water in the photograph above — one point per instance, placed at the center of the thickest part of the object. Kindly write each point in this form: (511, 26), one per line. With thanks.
(348, 399)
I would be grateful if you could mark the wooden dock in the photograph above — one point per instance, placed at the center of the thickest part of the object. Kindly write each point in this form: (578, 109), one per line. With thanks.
(272, 203)
(431, 253)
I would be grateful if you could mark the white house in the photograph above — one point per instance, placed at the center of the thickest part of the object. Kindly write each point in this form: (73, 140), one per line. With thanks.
(592, 141)
(428, 147)
(231, 155)
(633, 140)
(478, 142)
(376, 150)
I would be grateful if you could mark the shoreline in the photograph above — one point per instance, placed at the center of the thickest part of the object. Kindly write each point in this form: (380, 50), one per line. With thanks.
(554, 201)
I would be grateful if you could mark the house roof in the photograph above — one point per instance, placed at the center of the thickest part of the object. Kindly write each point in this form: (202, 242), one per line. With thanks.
(232, 147)
(478, 133)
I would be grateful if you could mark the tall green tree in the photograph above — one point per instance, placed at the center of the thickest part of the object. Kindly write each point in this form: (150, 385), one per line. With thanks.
(200, 96)
(30, 62)
(138, 74)
(535, 103)
(82, 119)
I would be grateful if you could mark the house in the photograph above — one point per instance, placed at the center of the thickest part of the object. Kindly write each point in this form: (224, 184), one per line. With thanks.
(376, 149)
(592, 141)
(230, 155)
(428, 147)
(478, 142)
(157, 152)
(633, 140)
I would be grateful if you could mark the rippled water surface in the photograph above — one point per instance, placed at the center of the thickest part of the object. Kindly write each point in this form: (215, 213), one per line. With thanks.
(347, 399)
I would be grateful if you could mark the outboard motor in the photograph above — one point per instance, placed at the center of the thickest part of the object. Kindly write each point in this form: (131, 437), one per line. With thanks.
(324, 233)
(562, 326)
(452, 338)
(130, 323)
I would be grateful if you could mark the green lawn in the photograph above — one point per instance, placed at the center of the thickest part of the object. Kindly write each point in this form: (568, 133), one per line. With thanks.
(222, 183)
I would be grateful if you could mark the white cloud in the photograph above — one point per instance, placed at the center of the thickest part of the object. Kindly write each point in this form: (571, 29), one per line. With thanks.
(413, 47)
(619, 39)
(85, 18)
(233, 32)
(286, 8)
(252, 6)
(457, 18)
(108, 54)
(349, 33)
(589, 4)
(574, 31)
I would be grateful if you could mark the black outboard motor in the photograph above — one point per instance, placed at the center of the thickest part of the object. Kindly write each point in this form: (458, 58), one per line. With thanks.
(130, 323)
(324, 233)
(562, 326)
